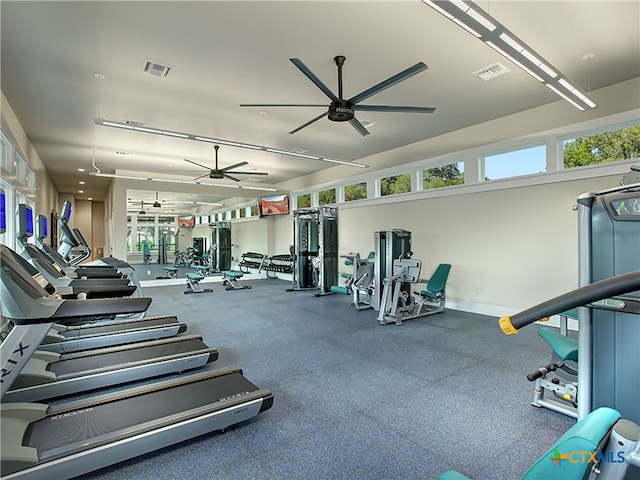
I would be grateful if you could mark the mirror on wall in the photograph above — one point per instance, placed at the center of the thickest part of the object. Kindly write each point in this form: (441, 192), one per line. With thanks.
(169, 233)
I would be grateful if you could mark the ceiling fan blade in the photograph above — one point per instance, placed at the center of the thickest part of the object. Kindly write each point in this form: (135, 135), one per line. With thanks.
(393, 108)
(355, 123)
(311, 76)
(309, 123)
(226, 175)
(196, 163)
(248, 173)
(241, 164)
(389, 82)
(201, 176)
(282, 105)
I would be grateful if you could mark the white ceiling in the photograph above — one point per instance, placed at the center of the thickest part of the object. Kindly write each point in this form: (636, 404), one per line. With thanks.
(223, 54)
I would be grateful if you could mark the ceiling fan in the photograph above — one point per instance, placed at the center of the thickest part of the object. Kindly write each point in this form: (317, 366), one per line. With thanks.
(142, 211)
(219, 173)
(341, 110)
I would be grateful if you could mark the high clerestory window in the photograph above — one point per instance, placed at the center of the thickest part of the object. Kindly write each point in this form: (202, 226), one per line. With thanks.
(605, 146)
(395, 184)
(443, 176)
(514, 163)
(355, 191)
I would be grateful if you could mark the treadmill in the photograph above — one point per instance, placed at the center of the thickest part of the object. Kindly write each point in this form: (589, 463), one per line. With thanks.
(96, 288)
(78, 271)
(101, 332)
(48, 374)
(43, 441)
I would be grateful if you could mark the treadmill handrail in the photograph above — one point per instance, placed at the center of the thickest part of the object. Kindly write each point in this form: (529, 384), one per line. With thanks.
(609, 287)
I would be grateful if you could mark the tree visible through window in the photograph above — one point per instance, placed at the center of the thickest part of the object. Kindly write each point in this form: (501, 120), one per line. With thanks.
(395, 184)
(303, 201)
(327, 197)
(356, 191)
(602, 147)
(452, 174)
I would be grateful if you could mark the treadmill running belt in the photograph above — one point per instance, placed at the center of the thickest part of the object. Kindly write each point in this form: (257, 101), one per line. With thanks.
(86, 428)
(74, 366)
(97, 329)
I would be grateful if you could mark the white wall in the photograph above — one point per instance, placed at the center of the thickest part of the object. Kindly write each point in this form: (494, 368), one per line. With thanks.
(509, 248)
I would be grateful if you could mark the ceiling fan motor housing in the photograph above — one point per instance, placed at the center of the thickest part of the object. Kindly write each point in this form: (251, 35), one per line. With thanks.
(340, 111)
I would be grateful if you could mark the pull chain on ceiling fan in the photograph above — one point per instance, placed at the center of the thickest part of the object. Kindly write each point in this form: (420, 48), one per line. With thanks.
(341, 110)
(219, 173)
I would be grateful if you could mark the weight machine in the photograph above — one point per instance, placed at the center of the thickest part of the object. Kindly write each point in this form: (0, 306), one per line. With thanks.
(315, 249)
(399, 303)
(220, 251)
(389, 245)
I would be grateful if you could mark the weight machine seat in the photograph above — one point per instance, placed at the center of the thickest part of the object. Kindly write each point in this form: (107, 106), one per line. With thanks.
(196, 277)
(232, 274)
(586, 435)
(434, 288)
(565, 347)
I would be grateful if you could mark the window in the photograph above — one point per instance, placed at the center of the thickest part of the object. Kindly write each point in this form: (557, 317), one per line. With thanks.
(145, 234)
(21, 169)
(7, 154)
(327, 197)
(602, 147)
(31, 180)
(524, 161)
(444, 176)
(254, 210)
(303, 201)
(232, 214)
(243, 212)
(146, 219)
(355, 191)
(395, 184)
(164, 220)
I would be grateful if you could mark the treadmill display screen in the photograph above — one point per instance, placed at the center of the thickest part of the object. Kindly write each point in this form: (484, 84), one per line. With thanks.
(41, 226)
(25, 220)
(66, 212)
(3, 212)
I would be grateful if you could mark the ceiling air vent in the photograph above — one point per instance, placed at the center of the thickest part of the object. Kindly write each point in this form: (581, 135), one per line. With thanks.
(156, 69)
(491, 72)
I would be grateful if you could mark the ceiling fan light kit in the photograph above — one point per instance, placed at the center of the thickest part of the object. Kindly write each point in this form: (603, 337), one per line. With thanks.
(483, 26)
(343, 110)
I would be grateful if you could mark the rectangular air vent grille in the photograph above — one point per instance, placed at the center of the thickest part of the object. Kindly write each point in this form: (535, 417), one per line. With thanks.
(156, 69)
(491, 72)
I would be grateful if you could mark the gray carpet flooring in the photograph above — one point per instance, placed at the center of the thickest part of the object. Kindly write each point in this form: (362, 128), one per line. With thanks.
(354, 399)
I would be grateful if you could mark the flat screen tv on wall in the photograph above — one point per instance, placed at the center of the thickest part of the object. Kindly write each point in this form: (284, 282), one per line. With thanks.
(187, 221)
(274, 205)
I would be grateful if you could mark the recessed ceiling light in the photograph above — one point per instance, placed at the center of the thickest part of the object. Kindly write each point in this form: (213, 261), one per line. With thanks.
(89, 198)
(81, 182)
(80, 191)
(81, 169)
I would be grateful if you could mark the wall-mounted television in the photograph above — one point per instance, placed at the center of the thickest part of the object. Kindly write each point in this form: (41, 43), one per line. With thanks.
(187, 221)
(274, 205)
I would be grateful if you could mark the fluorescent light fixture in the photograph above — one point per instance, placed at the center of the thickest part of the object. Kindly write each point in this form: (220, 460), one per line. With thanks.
(295, 154)
(479, 23)
(170, 180)
(199, 138)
